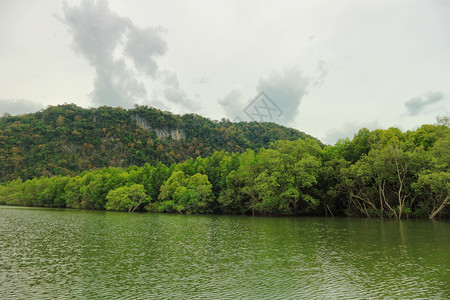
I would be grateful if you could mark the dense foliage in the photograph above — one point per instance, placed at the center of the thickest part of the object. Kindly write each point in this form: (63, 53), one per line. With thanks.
(383, 173)
(67, 139)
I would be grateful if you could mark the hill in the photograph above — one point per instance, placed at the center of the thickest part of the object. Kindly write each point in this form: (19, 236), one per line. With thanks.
(380, 173)
(67, 139)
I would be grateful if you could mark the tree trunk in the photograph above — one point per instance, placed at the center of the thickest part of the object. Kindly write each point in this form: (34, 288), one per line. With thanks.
(436, 211)
(329, 210)
(295, 207)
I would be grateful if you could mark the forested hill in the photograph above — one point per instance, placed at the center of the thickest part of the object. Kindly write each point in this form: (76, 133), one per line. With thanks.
(67, 139)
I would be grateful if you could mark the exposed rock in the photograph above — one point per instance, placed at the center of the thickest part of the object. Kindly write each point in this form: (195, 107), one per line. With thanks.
(174, 133)
(141, 122)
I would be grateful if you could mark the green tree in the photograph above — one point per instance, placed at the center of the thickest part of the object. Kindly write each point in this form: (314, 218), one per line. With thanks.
(380, 183)
(287, 178)
(184, 193)
(436, 189)
(248, 171)
(126, 198)
(434, 183)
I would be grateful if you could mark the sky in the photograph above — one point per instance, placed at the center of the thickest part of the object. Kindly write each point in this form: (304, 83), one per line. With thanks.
(324, 67)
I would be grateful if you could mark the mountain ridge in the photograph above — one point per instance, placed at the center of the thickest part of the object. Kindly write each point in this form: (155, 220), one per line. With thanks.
(68, 139)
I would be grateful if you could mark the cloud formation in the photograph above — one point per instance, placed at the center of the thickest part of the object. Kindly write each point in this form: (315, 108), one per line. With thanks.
(277, 99)
(322, 71)
(233, 104)
(142, 45)
(286, 89)
(98, 33)
(348, 130)
(174, 94)
(19, 106)
(416, 105)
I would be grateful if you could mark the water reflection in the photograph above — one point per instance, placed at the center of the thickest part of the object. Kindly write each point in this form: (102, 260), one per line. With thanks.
(93, 254)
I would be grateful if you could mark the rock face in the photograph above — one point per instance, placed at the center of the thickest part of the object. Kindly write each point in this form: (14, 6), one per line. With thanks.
(174, 133)
(141, 122)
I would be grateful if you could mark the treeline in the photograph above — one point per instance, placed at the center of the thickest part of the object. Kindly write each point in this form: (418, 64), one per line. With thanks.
(67, 139)
(383, 173)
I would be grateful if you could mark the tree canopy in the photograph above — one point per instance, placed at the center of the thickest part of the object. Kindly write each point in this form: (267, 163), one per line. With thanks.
(67, 139)
(380, 173)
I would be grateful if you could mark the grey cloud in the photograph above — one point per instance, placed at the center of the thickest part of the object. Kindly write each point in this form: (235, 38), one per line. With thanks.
(19, 106)
(282, 92)
(142, 45)
(416, 105)
(286, 89)
(348, 130)
(174, 94)
(97, 33)
(114, 87)
(233, 104)
(202, 80)
(322, 73)
(96, 29)
(169, 78)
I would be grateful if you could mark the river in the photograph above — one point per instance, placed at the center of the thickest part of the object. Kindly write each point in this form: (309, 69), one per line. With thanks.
(79, 254)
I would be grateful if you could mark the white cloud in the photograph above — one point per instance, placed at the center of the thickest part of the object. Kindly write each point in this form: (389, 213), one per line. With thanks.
(19, 106)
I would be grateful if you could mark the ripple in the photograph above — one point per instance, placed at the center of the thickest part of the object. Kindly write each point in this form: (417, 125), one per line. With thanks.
(49, 254)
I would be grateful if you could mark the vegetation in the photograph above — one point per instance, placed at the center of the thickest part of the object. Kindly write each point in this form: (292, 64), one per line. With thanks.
(67, 139)
(381, 173)
(126, 198)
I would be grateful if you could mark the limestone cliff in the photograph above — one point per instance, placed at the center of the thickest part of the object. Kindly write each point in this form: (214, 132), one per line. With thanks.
(174, 133)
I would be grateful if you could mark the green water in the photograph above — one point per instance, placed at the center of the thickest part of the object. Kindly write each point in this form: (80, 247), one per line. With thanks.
(67, 254)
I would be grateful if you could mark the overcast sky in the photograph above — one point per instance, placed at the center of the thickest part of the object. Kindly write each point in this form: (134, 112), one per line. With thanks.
(327, 68)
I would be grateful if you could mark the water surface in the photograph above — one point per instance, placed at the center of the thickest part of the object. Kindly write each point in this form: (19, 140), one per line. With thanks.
(57, 253)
